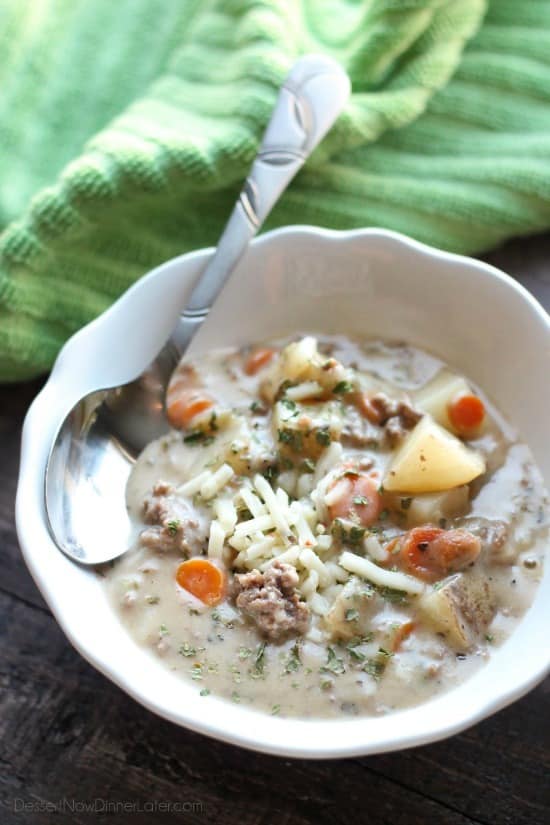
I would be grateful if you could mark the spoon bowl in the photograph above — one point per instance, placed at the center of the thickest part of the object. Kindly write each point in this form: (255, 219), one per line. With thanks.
(100, 437)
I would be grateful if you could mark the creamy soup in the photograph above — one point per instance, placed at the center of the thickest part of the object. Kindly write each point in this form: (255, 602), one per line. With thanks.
(331, 527)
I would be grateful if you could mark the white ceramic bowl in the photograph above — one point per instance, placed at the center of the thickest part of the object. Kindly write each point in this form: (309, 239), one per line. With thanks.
(368, 282)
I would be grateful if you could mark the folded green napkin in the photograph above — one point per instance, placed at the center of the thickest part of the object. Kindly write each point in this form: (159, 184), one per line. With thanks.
(126, 128)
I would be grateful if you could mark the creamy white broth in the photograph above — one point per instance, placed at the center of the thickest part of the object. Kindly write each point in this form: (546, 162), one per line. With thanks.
(321, 673)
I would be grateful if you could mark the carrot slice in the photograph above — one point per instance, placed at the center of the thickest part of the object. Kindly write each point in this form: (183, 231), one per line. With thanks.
(258, 359)
(367, 408)
(414, 551)
(356, 497)
(185, 406)
(202, 579)
(466, 413)
(432, 553)
(401, 633)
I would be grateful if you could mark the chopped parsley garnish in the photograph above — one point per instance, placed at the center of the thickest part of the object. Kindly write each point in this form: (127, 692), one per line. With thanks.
(259, 661)
(187, 650)
(375, 667)
(351, 615)
(293, 662)
(333, 664)
(350, 474)
(245, 652)
(322, 436)
(271, 472)
(307, 466)
(204, 692)
(489, 637)
(163, 630)
(152, 599)
(235, 696)
(360, 500)
(355, 534)
(198, 437)
(196, 672)
(342, 387)
(347, 533)
(392, 595)
(275, 710)
(255, 406)
(244, 514)
(173, 526)
(356, 654)
(236, 674)
(213, 423)
(294, 440)
(290, 405)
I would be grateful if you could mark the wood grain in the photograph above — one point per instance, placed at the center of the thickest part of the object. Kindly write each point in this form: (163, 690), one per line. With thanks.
(68, 736)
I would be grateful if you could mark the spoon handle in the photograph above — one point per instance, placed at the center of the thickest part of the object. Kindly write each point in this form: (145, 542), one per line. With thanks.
(311, 98)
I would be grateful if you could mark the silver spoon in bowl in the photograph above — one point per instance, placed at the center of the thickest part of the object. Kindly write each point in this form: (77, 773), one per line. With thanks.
(98, 441)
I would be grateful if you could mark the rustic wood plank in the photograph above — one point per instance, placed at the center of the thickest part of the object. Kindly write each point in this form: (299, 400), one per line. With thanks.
(496, 772)
(528, 261)
(14, 402)
(67, 732)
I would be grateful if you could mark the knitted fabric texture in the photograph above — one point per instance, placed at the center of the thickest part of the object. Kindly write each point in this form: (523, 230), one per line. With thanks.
(127, 128)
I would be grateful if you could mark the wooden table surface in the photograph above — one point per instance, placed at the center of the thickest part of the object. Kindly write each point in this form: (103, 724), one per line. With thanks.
(72, 745)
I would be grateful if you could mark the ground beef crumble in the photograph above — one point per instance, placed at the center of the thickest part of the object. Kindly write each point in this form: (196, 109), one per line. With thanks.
(174, 527)
(397, 417)
(382, 419)
(271, 601)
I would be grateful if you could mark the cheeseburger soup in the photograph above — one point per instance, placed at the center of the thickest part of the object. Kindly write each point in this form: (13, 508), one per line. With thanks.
(331, 527)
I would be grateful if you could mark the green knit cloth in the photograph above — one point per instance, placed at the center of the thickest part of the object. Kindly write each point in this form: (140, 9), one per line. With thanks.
(127, 126)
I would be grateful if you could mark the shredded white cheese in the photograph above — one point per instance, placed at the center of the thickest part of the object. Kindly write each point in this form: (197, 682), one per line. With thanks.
(377, 575)
(331, 456)
(319, 605)
(309, 587)
(226, 513)
(308, 389)
(274, 506)
(252, 501)
(246, 528)
(216, 540)
(375, 549)
(212, 486)
(311, 561)
(192, 487)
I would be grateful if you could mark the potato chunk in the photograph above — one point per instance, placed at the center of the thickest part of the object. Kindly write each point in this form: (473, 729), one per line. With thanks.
(301, 362)
(430, 460)
(232, 444)
(430, 508)
(435, 397)
(461, 609)
(305, 430)
(353, 610)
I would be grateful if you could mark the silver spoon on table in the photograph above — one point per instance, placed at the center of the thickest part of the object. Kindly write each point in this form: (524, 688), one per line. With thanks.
(98, 441)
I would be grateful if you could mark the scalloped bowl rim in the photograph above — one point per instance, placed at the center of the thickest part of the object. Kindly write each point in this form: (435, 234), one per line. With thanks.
(236, 724)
